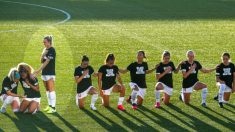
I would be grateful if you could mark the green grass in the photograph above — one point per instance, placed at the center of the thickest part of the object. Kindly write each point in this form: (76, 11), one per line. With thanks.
(122, 27)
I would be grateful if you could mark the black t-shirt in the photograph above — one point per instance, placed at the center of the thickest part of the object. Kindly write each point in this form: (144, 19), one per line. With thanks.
(193, 77)
(50, 67)
(28, 91)
(86, 81)
(7, 85)
(138, 73)
(225, 73)
(109, 75)
(167, 79)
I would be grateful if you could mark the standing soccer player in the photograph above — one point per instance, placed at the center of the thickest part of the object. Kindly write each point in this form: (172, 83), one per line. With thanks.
(138, 71)
(82, 76)
(191, 82)
(48, 60)
(107, 76)
(225, 78)
(9, 91)
(31, 102)
(164, 77)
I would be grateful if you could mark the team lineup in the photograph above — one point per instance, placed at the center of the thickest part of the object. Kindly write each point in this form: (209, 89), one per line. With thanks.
(109, 80)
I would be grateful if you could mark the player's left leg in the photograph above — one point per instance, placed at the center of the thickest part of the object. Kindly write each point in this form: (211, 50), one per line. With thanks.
(33, 107)
(94, 96)
(120, 89)
(52, 95)
(203, 87)
(15, 105)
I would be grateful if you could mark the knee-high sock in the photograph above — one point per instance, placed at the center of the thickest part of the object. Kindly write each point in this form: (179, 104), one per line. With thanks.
(52, 96)
(182, 95)
(120, 100)
(94, 99)
(204, 93)
(221, 93)
(48, 98)
(134, 96)
(157, 94)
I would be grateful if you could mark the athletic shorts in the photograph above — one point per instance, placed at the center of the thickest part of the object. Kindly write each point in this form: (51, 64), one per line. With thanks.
(33, 99)
(48, 77)
(83, 94)
(190, 89)
(9, 99)
(141, 91)
(227, 88)
(166, 89)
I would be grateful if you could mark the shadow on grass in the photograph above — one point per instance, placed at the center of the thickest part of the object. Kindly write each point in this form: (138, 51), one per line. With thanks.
(113, 127)
(212, 117)
(71, 127)
(198, 124)
(28, 122)
(122, 10)
(162, 121)
(129, 123)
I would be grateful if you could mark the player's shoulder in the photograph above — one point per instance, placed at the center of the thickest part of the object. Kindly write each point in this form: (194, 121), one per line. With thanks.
(6, 79)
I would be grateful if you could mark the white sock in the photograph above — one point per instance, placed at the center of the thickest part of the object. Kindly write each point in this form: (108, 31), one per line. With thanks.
(134, 96)
(120, 100)
(93, 99)
(48, 98)
(157, 94)
(204, 93)
(15, 110)
(182, 95)
(52, 96)
(221, 92)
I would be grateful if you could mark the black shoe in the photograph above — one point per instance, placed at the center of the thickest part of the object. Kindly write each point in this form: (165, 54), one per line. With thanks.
(221, 105)
(180, 98)
(204, 105)
(216, 97)
(128, 100)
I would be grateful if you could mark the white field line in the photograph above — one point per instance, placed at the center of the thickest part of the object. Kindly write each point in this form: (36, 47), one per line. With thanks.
(68, 16)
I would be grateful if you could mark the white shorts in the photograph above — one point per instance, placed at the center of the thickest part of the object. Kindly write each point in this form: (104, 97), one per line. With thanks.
(48, 77)
(9, 99)
(166, 89)
(190, 89)
(108, 91)
(227, 88)
(33, 99)
(141, 91)
(83, 94)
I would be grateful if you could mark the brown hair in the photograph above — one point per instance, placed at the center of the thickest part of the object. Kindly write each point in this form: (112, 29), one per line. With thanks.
(49, 39)
(23, 67)
(109, 57)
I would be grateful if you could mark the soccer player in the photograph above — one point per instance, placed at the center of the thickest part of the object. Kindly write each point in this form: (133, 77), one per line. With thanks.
(107, 76)
(225, 78)
(164, 77)
(138, 71)
(83, 80)
(31, 102)
(191, 82)
(9, 91)
(48, 60)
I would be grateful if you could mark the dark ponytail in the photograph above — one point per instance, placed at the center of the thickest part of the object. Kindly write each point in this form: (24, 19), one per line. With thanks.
(141, 51)
(49, 39)
(109, 57)
(226, 54)
(85, 58)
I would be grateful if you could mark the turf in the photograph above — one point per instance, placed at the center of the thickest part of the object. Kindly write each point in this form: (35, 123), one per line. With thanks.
(98, 27)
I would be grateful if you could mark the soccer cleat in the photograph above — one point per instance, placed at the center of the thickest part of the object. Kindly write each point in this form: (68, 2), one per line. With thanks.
(204, 105)
(93, 107)
(51, 111)
(134, 106)
(157, 105)
(221, 105)
(47, 108)
(3, 110)
(128, 100)
(216, 97)
(120, 107)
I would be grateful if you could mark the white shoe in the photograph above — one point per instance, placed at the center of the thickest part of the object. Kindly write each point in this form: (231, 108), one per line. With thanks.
(3, 110)
(93, 107)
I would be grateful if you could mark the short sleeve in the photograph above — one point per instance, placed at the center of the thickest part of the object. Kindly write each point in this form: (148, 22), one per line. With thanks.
(218, 71)
(199, 66)
(76, 72)
(101, 70)
(6, 85)
(183, 68)
(158, 70)
(35, 81)
(91, 70)
(51, 54)
(117, 69)
(146, 67)
(173, 66)
(130, 67)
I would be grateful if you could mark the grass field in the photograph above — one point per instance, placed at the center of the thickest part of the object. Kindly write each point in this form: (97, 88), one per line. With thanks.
(122, 27)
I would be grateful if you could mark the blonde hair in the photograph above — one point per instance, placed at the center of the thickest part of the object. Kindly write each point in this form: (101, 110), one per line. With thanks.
(25, 66)
(190, 51)
(12, 73)
(165, 53)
